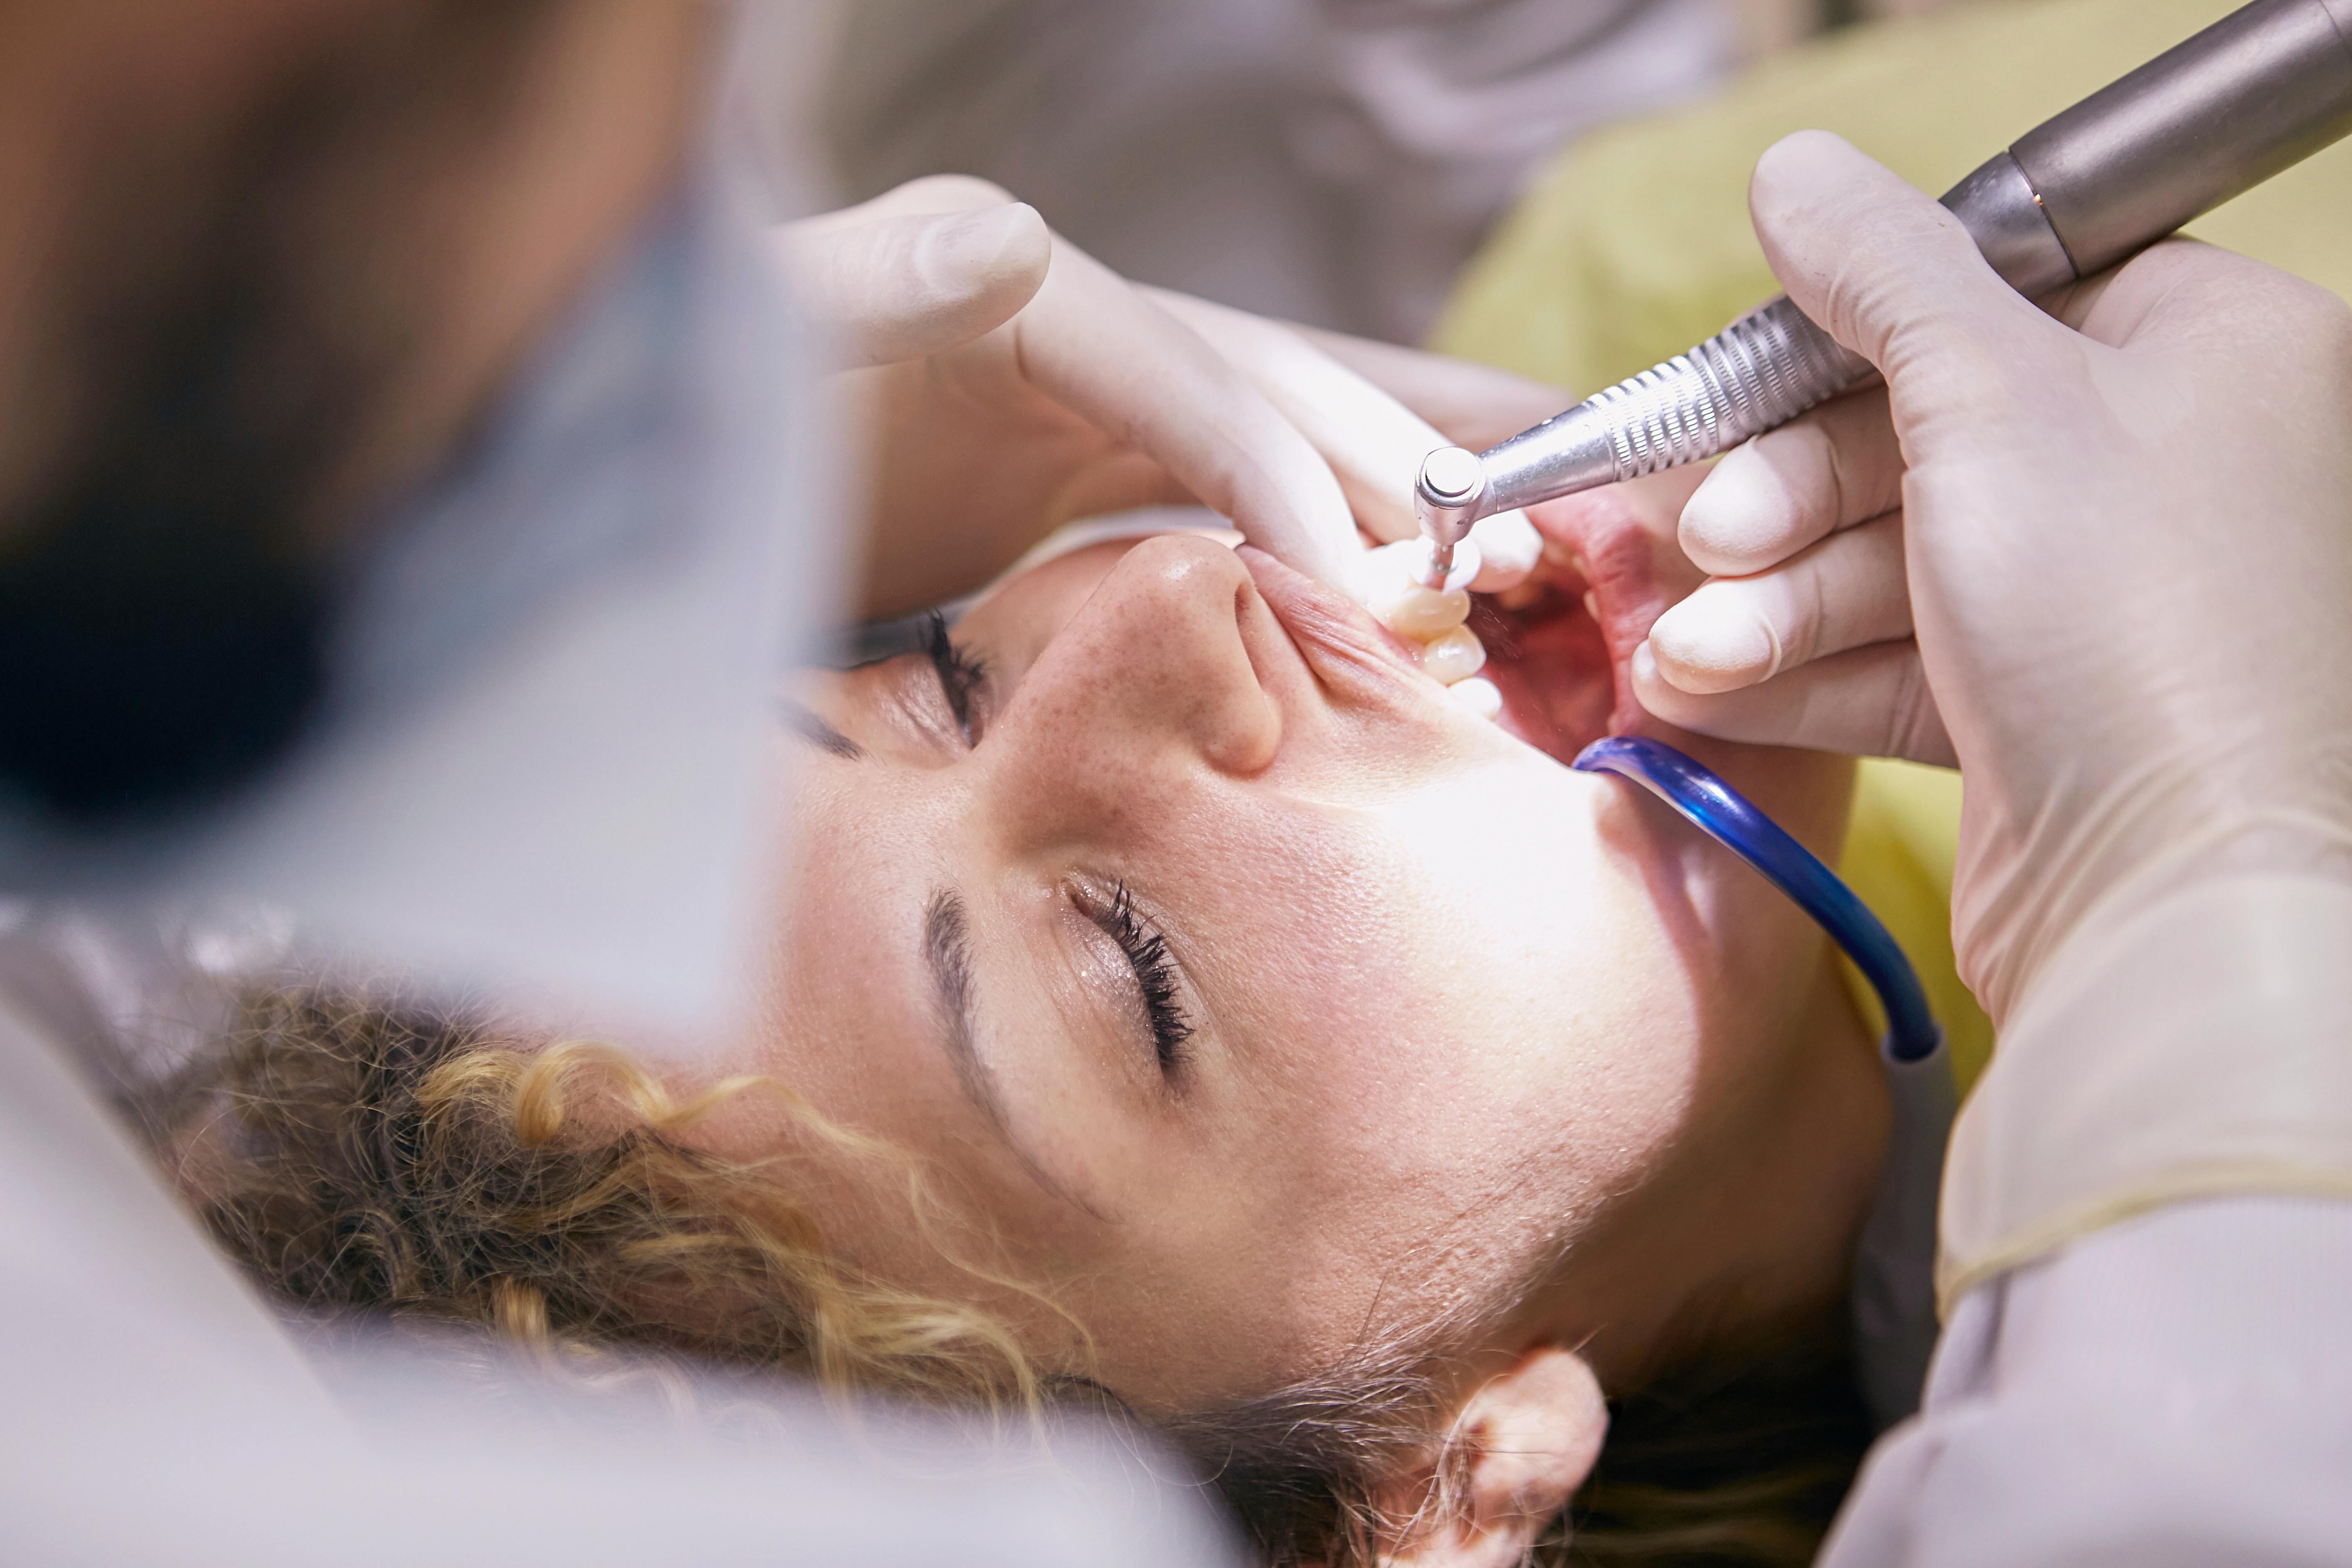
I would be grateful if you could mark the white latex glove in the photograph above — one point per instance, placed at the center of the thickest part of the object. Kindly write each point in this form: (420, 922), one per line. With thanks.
(2103, 561)
(1372, 442)
(1013, 382)
(886, 282)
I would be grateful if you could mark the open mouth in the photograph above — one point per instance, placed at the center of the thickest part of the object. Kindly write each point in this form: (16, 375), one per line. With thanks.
(1558, 646)
(1549, 657)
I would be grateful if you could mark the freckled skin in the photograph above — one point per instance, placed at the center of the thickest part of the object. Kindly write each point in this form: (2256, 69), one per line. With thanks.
(1461, 1018)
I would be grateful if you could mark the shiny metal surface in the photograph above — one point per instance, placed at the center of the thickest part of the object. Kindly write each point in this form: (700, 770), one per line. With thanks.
(2002, 213)
(2263, 88)
(1447, 498)
(1762, 371)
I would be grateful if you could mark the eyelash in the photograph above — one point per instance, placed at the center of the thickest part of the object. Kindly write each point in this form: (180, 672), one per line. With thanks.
(1155, 976)
(960, 674)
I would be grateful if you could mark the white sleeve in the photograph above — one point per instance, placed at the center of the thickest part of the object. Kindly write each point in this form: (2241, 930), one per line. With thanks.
(2147, 1257)
(2174, 1389)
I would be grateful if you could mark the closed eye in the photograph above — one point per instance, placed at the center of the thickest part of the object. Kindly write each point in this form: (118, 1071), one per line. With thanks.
(962, 678)
(1155, 976)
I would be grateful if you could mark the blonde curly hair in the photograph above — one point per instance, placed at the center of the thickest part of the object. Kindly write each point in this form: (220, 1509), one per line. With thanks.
(362, 1156)
(365, 1155)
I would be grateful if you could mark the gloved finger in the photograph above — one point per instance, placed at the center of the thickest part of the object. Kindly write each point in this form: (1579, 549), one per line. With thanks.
(1508, 549)
(1868, 702)
(1373, 443)
(1837, 466)
(1845, 592)
(1474, 405)
(2184, 296)
(1890, 273)
(1103, 350)
(931, 194)
(896, 287)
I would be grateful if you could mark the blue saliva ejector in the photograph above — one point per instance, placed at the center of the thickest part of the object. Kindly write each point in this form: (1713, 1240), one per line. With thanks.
(1723, 814)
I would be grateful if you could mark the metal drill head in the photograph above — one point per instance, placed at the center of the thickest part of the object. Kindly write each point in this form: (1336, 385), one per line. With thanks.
(1445, 499)
(1451, 476)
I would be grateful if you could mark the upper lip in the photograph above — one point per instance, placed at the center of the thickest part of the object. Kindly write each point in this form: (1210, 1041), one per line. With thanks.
(1339, 640)
(1557, 708)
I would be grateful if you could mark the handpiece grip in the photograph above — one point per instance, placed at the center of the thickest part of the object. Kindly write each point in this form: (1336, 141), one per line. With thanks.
(2260, 89)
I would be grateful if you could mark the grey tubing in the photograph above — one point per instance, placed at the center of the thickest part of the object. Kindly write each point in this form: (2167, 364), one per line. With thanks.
(2258, 91)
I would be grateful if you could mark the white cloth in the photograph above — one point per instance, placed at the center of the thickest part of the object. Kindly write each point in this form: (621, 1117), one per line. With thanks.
(1331, 161)
(2147, 1239)
(2175, 1390)
(538, 756)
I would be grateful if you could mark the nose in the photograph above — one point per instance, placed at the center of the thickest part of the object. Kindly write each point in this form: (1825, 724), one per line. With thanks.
(1158, 667)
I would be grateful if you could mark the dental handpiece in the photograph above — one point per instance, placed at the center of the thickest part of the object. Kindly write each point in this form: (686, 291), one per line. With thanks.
(2260, 90)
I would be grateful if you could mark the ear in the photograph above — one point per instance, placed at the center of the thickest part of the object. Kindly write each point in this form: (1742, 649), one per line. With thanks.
(1530, 1437)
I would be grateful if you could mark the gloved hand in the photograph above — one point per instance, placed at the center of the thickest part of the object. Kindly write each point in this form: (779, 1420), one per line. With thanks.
(1013, 382)
(1373, 442)
(2102, 561)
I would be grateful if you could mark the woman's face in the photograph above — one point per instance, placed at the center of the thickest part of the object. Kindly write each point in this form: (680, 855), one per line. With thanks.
(1258, 1001)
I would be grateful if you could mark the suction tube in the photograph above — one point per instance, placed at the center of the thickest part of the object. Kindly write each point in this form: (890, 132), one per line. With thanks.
(1723, 814)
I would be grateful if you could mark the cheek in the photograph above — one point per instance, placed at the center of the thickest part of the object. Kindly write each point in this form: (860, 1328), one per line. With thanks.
(1338, 1034)
(1569, 1039)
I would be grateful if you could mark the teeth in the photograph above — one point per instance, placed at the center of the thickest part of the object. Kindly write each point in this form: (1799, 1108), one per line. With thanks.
(1423, 613)
(1455, 656)
(1477, 694)
(1451, 652)
(1391, 570)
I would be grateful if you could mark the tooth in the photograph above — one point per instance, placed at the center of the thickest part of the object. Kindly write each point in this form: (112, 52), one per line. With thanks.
(1477, 694)
(1390, 580)
(1424, 614)
(1455, 656)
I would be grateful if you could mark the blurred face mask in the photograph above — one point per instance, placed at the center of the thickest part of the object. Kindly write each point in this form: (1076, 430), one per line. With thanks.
(510, 737)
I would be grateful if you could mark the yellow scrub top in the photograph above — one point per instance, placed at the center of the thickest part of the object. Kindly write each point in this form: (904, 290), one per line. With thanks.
(1634, 242)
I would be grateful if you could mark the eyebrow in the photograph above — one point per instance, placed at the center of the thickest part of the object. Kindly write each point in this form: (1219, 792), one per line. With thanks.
(947, 953)
(805, 722)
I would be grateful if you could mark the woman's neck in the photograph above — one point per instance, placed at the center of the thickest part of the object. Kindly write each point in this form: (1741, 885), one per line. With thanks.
(1751, 1230)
